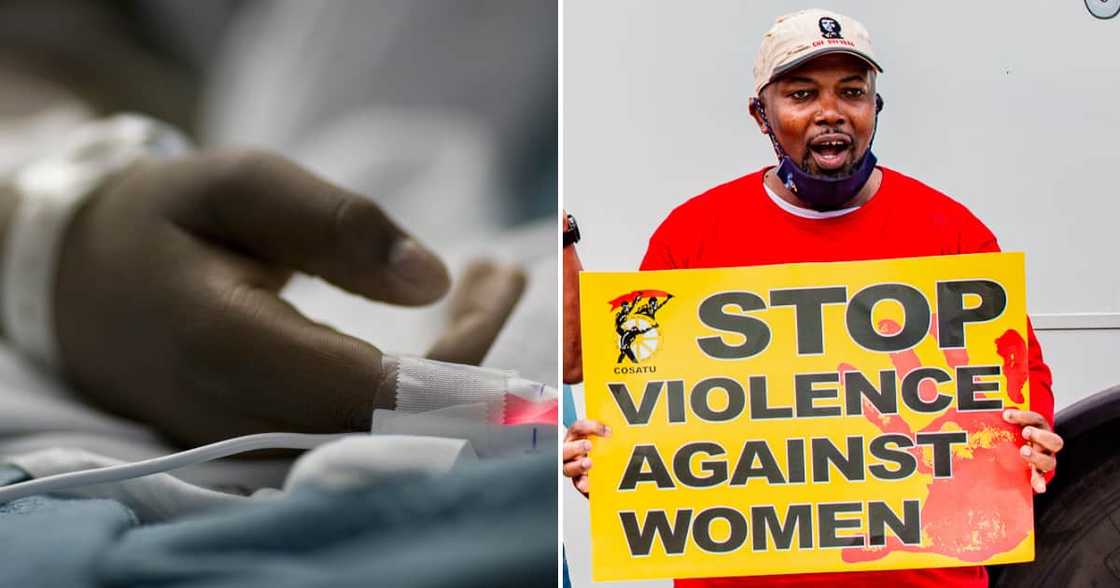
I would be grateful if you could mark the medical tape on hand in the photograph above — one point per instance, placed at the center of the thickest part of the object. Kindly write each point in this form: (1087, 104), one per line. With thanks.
(424, 385)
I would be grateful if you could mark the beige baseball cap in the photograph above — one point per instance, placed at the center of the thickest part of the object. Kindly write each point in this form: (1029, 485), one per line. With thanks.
(801, 36)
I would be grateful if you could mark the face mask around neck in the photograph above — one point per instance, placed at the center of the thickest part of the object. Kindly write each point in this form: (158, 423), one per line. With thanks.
(825, 192)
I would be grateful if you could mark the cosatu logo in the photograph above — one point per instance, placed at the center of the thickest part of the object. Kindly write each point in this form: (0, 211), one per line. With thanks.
(635, 322)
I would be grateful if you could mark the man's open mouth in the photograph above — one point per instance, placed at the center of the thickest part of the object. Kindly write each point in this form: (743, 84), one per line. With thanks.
(831, 151)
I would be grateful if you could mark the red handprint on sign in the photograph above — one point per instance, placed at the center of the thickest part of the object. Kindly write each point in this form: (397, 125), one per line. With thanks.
(985, 508)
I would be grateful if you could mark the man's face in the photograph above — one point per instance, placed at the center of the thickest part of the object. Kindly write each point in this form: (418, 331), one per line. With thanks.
(823, 113)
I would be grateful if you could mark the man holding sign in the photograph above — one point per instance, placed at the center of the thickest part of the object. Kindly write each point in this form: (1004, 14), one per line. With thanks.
(859, 406)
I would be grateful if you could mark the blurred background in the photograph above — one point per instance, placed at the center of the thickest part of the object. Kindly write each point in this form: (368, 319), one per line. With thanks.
(1008, 108)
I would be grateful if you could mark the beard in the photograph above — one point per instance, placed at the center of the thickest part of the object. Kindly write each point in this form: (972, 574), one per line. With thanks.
(809, 165)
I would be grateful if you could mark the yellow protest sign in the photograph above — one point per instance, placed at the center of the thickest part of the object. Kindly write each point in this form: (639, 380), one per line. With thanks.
(807, 417)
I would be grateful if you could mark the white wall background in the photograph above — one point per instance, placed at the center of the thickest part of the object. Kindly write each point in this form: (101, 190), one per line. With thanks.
(1012, 108)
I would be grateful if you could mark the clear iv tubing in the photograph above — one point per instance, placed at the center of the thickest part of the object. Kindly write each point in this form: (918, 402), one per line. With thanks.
(166, 463)
(448, 386)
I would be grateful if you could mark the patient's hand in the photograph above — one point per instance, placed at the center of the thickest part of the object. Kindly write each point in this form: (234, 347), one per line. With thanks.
(167, 309)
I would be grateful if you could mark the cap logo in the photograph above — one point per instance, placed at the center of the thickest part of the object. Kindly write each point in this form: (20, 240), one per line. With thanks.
(830, 28)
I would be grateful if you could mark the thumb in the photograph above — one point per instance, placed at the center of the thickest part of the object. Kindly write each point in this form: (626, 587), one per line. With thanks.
(280, 213)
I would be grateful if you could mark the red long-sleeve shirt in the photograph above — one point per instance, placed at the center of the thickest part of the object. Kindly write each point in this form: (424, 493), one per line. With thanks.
(738, 224)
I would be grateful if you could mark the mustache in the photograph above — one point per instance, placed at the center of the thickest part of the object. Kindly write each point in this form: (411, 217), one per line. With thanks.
(833, 131)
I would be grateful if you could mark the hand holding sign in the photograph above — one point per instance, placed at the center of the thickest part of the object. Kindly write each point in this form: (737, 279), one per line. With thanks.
(1044, 445)
(577, 445)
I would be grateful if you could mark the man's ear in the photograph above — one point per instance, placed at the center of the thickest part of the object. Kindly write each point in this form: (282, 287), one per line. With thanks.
(757, 112)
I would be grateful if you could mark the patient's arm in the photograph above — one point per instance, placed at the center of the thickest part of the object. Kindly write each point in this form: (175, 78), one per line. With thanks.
(165, 303)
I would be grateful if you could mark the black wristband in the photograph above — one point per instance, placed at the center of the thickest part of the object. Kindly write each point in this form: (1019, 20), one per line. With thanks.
(571, 234)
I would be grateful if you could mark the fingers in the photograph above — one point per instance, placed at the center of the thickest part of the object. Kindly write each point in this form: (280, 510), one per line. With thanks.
(585, 428)
(487, 286)
(577, 467)
(572, 449)
(1039, 460)
(576, 447)
(1025, 417)
(583, 484)
(258, 356)
(279, 213)
(484, 299)
(1038, 482)
(1043, 444)
(576, 461)
(1046, 440)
